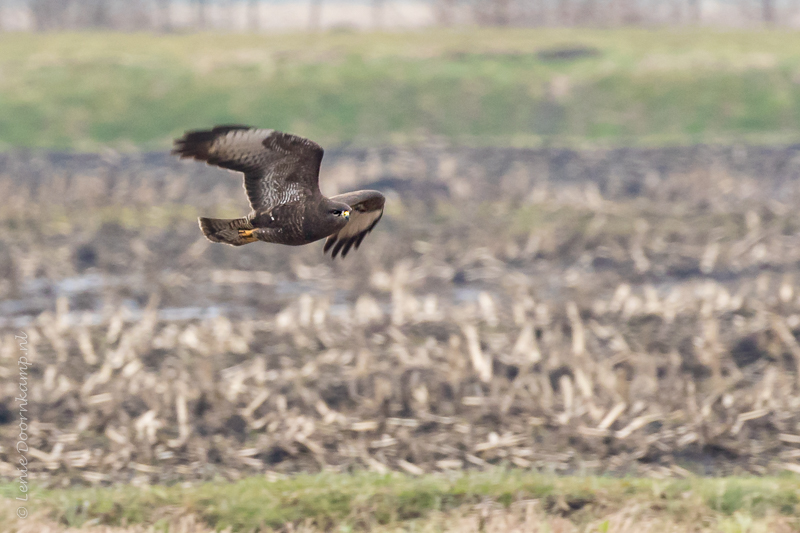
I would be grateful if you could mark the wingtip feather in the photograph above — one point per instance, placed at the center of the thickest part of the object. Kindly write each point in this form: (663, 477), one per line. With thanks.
(196, 143)
(346, 247)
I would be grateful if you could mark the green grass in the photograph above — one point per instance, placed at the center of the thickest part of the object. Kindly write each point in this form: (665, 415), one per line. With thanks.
(367, 500)
(83, 91)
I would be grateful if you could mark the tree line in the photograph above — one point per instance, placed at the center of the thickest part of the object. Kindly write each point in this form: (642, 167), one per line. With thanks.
(171, 15)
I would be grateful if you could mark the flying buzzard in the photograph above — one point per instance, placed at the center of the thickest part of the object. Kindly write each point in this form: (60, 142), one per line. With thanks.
(281, 179)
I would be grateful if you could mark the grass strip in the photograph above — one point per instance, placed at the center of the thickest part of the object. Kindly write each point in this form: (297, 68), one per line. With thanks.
(367, 500)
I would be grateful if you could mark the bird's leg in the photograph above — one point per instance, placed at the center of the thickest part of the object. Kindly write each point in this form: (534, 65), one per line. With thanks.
(248, 235)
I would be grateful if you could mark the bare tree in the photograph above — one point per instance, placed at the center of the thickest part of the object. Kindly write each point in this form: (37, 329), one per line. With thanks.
(791, 9)
(675, 12)
(378, 8)
(630, 13)
(539, 12)
(502, 12)
(139, 14)
(315, 15)
(164, 15)
(224, 17)
(695, 11)
(587, 13)
(768, 11)
(98, 14)
(49, 14)
(254, 15)
(201, 15)
(563, 9)
(492, 12)
(445, 12)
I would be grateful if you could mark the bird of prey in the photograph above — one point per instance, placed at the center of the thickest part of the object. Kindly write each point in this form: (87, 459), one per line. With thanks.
(281, 179)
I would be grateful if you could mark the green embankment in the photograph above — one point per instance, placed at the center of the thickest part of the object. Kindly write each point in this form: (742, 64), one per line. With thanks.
(367, 501)
(643, 87)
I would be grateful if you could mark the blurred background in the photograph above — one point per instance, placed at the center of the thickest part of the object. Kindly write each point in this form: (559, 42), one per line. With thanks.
(588, 262)
(256, 15)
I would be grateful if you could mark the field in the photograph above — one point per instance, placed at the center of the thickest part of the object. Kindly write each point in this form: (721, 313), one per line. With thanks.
(549, 87)
(622, 313)
(572, 317)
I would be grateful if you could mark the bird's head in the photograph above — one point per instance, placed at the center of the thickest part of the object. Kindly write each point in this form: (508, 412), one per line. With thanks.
(338, 212)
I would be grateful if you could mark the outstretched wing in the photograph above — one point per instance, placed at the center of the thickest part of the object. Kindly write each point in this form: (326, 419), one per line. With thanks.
(278, 167)
(366, 209)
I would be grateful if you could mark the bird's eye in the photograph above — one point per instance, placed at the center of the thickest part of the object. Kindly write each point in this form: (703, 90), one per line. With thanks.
(336, 212)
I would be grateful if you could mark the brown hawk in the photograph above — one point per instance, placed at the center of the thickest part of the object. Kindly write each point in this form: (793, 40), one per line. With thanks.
(281, 179)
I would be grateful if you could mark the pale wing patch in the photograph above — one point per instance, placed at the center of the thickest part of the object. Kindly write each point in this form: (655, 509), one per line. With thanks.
(234, 147)
(245, 148)
(278, 167)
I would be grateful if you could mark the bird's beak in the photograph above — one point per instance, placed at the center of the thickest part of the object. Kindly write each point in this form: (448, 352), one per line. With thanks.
(346, 215)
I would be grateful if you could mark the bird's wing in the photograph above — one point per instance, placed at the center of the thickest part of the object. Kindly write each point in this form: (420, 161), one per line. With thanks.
(366, 210)
(278, 167)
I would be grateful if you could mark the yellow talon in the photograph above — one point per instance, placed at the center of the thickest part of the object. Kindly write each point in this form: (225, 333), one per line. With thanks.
(247, 235)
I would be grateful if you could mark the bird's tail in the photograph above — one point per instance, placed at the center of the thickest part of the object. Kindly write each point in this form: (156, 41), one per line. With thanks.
(234, 231)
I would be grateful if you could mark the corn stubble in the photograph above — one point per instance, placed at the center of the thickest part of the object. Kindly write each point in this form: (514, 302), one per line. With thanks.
(626, 312)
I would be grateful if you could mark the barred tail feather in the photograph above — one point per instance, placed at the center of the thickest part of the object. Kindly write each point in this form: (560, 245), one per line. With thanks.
(233, 231)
